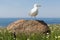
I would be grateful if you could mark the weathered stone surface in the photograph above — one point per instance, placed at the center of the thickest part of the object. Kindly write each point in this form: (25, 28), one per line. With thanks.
(28, 26)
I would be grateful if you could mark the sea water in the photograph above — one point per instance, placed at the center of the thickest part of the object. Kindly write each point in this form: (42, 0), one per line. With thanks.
(7, 21)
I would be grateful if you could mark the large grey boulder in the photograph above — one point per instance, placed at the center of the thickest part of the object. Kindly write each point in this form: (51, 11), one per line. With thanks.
(28, 26)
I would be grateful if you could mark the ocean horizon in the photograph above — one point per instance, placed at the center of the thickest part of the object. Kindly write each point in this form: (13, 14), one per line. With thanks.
(7, 21)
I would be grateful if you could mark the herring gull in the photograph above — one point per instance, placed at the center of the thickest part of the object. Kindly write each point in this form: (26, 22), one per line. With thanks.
(34, 10)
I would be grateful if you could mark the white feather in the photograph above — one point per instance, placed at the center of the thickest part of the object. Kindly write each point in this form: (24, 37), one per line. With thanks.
(34, 11)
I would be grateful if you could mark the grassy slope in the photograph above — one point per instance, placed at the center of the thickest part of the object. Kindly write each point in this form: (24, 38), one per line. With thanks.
(55, 34)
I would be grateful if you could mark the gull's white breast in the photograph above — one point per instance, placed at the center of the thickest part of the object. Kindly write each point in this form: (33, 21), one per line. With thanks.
(34, 11)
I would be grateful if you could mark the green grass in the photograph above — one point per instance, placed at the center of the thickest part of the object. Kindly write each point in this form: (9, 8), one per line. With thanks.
(55, 34)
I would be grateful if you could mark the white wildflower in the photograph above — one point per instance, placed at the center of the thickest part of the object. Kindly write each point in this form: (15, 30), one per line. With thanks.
(57, 36)
(48, 25)
(47, 33)
(28, 39)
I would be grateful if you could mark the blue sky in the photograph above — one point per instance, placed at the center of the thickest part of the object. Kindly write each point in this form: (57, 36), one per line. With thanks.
(21, 8)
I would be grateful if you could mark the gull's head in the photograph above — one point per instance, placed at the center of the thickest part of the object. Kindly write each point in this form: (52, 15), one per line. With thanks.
(37, 5)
